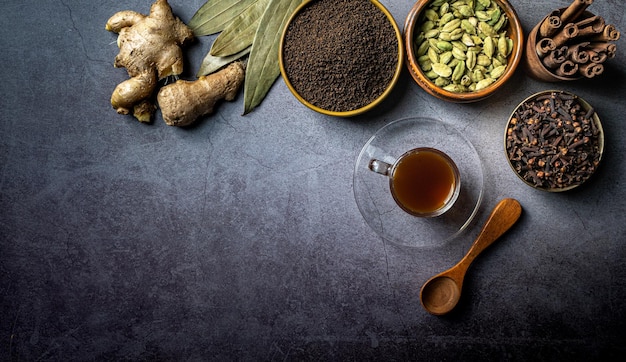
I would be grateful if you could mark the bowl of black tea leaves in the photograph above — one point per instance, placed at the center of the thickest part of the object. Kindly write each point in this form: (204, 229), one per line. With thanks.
(341, 57)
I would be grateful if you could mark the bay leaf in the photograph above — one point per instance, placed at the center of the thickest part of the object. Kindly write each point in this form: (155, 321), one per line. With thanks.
(239, 33)
(215, 15)
(211, 64)
(263, 69)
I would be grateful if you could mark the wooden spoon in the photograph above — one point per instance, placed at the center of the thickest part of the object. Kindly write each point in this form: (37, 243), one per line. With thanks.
(441, 293)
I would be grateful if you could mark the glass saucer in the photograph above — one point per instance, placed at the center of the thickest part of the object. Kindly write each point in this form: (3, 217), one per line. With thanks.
(374, 200)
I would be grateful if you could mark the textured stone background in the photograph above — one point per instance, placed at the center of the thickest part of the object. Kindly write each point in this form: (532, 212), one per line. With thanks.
(239, 239)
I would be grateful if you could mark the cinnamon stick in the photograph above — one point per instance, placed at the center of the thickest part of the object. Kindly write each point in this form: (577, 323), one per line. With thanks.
(588, 28)
(602, 47)
(591, 21)
(568, 32)
(591, 70)
(609, 33)
(567, 69)
(555, 58)
(597, 57)
(550, 25)
(544, 46)
(574, 10)
(576, 54)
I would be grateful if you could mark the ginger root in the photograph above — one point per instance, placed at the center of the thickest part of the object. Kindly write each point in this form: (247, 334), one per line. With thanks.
(150, 50)
(183, 102)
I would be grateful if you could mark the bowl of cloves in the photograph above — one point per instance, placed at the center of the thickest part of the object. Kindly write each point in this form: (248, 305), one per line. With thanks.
(554, 141)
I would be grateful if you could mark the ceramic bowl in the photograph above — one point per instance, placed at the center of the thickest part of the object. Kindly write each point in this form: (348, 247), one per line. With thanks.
(553, 144)
(412, 28)
(353, 112)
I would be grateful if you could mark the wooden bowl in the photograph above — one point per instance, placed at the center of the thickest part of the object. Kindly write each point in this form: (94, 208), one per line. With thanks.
(411, 29)
(367, 107)
(533, 65)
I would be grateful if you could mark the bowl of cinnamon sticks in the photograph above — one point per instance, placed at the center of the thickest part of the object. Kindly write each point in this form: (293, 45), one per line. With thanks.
(570, 43)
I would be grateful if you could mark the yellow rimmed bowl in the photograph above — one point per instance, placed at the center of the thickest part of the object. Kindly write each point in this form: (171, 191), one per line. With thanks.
(412, 28)
(352, 112)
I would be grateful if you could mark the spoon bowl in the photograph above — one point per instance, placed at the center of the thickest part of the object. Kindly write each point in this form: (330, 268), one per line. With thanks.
(441, 293)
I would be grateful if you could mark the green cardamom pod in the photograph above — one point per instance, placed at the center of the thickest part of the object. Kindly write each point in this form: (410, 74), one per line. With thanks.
(445, 18)
(501, 23)
(445, 57)
(497, 71)
(451, 25)
(477, 75)
(432, 33)
(445, 7)
(466, 80)
(483, 60)
(482, 84)
(477, 40)
(466, 11)
(455, 88)
(482, 16)
(510, 46)
(466, 39)
(495, 15)
(488, 46)
(445, 36)
(459, 45)
(484, 3)
(433, 55)
(427, 25)
(458, 71)
(487, 29)
(444, 45)
(423, 58)
(431, 15)
(503, 46)
(442, 82)
(431, 74)
(442, 70)
(470, 62)
(423, 48)
(456, 34)
(459, 54)
(468, 27)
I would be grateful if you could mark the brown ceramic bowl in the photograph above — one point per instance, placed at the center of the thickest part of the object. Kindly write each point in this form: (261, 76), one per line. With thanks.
(522, 147)
(411, 30)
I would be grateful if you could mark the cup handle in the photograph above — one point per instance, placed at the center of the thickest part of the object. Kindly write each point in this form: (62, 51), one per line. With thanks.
(379, 166)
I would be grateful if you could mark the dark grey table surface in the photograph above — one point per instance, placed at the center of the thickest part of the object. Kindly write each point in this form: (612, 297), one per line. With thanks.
(240, 238)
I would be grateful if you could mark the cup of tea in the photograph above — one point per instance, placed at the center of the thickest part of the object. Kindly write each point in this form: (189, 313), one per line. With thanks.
(423, 181)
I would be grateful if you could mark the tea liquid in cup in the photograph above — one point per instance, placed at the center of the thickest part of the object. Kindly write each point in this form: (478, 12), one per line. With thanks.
(424, 181)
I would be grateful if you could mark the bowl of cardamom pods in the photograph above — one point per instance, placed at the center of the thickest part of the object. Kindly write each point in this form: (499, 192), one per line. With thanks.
(462, 51)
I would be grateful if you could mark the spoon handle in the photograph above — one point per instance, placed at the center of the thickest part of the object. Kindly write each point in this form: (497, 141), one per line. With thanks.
(503, 216)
